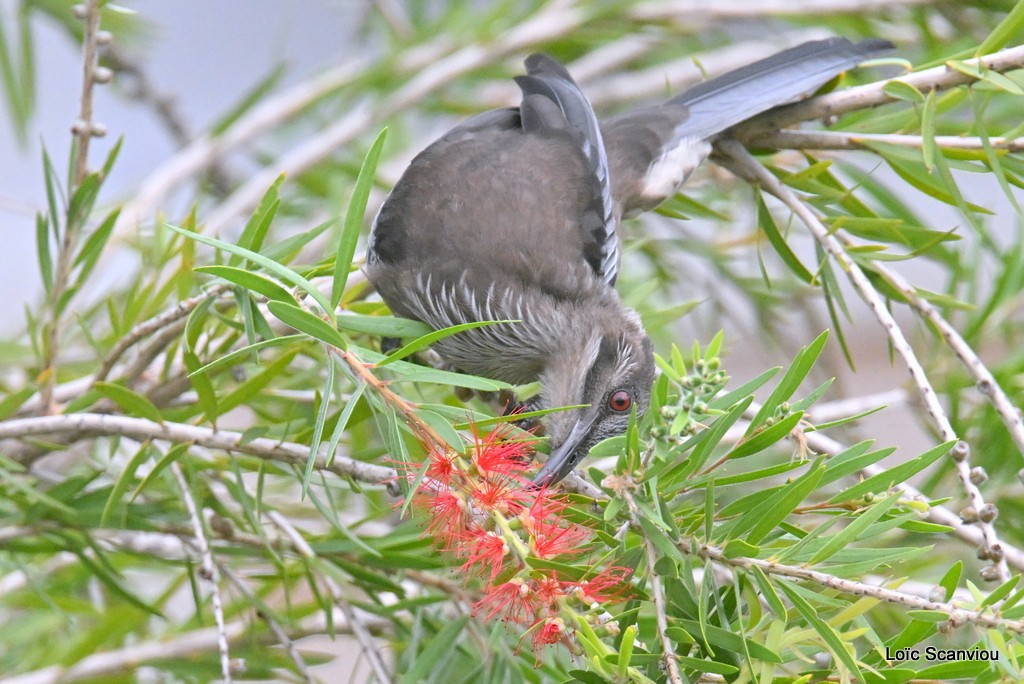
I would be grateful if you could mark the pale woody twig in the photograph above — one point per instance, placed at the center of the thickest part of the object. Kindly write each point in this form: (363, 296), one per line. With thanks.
(141, 429)
(658, 592)
(279, 632)
(957, 615)
(746, 165)
(873, 94)
(209, 570)
(183, 646)
(84, 129)
(148, 327)
(728, 10)
(829, 411)
(824, 444)
(986, 383)
(842, 140)
(370, 648)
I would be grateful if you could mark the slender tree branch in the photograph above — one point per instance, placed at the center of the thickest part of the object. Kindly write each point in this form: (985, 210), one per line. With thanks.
(179, 311)
(190, 644)
(209, 570)
(280, 634)
(957, 615)
(747, 166)
(873, 94)
(658, 591)
(369, 646)
(727, 10)
(141, 429)
(986, 383)
(843, 140)
(84, 129)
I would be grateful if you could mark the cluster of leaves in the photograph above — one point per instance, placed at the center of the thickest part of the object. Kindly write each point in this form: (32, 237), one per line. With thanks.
(713, 526)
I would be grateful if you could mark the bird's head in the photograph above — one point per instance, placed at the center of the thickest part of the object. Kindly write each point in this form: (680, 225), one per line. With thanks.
(610, 375)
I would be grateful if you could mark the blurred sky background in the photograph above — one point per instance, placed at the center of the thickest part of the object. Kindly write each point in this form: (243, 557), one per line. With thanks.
(207, 54)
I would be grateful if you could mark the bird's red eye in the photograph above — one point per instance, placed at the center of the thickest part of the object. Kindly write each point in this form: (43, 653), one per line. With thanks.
(620, 400)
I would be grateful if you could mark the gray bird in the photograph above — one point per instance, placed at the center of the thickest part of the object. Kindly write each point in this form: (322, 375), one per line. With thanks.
(514, 215)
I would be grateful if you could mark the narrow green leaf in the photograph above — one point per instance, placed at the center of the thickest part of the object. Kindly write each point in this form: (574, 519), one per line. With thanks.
(92, 249)
(434, 336)
(354, 218)
(100, 571)
(626, 652)
(1005, 30)
(898, 473)
(737, 548)
(730, 641)
(855, 530)
(52, 185)
(13, 401)
(951, 579)
(707, 665)
(765, 516)
(308, 323)
(901, 90)
(760, 441)
(43, 252)
(283, 251)
(385, 326)
(928, 615)
(132, 402)
(790, 382)
(256, 227)
(726, 401)
(318, 426)
(277, 269)
(1000, 592)
(250, 281)
(766, 222)
(853, 459)
(438, 649)
(240, 354)
(928, 147)
(665, 546)
(124, 480)
(832, 640)
(346, 415)
(112, 156)
(769, 594)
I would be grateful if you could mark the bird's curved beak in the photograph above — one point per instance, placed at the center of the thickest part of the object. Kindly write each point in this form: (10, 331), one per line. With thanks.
(564, 456)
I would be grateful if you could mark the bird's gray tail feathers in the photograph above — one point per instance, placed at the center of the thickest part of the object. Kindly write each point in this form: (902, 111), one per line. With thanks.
(723, 102)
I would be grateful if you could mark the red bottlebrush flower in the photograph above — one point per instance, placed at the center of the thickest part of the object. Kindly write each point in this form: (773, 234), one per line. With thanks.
(484, 549)
(547, 590)
(449, 517)
(511, 599)
(550, 631)
(550, 539)
(607, 586)
(502, 494)
(442, 467)
(550, 534)
(496, 454)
